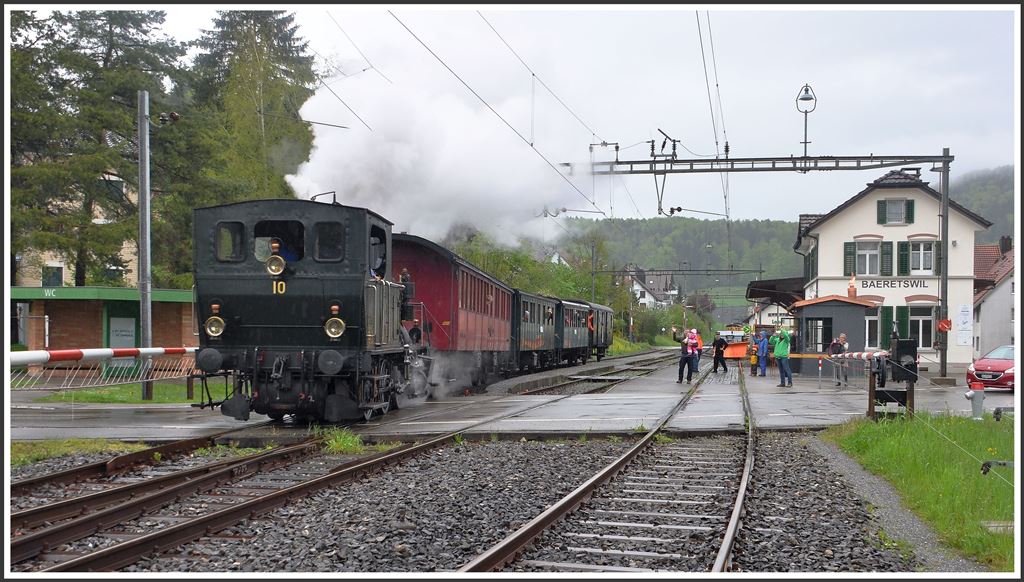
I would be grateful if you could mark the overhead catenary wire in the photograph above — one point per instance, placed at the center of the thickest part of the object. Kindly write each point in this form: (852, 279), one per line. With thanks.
(538, 79)
(725, 136)
(357, 48)
(630, 194)
(338, 97)
(714, 126)
(488, 105)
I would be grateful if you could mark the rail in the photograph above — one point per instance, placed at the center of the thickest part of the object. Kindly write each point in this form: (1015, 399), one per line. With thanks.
(505, 551)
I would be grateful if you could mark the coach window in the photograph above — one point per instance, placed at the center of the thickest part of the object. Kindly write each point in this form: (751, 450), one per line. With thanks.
(290, 234)
(330, 241)
(230, 241)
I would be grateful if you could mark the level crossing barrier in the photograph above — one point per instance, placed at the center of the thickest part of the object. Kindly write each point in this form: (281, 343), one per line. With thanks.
(95, 367)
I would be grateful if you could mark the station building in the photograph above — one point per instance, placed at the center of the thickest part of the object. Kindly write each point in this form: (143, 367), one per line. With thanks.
(882, 245)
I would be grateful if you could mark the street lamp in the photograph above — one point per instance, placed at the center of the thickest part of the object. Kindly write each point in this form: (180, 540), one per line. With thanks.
(805, 103)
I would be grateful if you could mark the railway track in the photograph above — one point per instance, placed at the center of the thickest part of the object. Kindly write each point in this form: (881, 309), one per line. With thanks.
(586, 384)
(151, 521)
(660, 506)
(119, 464)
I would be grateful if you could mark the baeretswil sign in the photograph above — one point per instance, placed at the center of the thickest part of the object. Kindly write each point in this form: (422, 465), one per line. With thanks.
(894, 284)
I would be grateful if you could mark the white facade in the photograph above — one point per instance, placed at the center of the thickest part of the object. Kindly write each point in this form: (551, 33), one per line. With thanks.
(644, 297)
(890, 253)
(770, 314)
(994, 318)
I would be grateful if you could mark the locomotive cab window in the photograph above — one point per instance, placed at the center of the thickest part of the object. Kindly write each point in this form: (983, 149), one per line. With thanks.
(330, 241)
(290, 234)
(230, 242)
(378, 251)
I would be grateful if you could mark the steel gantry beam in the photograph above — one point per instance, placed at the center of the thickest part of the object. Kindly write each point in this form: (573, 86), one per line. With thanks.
(766, 164)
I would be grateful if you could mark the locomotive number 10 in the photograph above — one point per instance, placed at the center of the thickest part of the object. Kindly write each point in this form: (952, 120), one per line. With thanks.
(277, 287)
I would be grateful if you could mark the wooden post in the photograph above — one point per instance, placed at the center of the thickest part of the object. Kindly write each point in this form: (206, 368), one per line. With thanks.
(910, 399)
(190, 385)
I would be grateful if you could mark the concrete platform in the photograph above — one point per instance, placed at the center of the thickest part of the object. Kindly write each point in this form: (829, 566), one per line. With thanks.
(626, 407)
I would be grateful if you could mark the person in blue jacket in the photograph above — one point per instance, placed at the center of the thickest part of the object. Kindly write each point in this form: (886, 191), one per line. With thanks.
(762, 352)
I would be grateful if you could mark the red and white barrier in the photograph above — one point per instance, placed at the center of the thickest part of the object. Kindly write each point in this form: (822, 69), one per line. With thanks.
(37, 357)
(858, 355)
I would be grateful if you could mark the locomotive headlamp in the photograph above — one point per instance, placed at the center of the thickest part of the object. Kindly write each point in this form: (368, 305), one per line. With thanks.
(275, 265)
(334, 327)
(215, 326)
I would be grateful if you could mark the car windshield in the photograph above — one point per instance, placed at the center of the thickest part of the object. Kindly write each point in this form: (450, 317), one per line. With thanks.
(1000, 353)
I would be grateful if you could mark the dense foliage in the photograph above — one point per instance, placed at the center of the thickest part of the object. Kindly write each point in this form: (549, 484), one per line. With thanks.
(990, 194)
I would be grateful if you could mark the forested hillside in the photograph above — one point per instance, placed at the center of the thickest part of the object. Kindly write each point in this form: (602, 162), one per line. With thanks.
(668, 243)
(990, 194)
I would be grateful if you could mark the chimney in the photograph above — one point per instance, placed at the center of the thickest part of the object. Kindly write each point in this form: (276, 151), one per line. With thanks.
(851, 291)
(1005, 244)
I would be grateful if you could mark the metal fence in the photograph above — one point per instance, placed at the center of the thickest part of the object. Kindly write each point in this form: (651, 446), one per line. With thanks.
(89, 368)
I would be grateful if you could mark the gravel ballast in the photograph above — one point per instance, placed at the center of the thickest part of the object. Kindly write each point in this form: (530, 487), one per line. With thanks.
(432, 513)
(802, 516)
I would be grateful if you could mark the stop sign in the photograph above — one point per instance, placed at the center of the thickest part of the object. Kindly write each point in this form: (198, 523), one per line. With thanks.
(945, 325)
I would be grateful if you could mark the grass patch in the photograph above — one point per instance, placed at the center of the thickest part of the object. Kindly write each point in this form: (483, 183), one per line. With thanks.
(163, 393)
(942, 482)
(622, 346)
(342, 441)
(663, 439)
(28, 452)
(229, 450)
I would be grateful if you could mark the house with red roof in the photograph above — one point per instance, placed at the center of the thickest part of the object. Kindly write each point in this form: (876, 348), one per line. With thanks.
(994, 297)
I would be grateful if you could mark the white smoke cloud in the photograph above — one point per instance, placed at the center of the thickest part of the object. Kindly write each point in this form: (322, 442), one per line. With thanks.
(437, 156)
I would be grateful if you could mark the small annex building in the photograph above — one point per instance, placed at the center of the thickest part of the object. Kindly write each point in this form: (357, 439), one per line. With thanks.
(99, 317)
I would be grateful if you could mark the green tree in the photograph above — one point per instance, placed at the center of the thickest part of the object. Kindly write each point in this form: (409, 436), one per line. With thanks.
(254, 71)
(73, 109)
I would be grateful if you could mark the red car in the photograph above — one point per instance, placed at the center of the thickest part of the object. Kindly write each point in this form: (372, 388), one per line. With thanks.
(994, 370)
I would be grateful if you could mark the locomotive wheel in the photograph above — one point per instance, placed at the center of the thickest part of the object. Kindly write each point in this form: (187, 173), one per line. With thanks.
(276, 415)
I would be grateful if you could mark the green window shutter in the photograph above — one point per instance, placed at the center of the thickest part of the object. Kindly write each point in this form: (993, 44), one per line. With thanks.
(886, 262)
(814, 262)
(807, 267)
(885, 326)
(937, 257)
(903, 320)
(881, 212)
(903, 258)
(908, 217)
(849, 256)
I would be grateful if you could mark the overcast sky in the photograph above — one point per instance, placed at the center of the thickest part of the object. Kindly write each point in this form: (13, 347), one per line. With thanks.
(888, 82)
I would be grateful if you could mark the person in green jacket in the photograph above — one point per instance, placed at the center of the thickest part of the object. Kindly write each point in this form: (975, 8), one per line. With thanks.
(780, 344)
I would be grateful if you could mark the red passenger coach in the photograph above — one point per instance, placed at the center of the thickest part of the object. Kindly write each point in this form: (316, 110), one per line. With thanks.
(462, 310)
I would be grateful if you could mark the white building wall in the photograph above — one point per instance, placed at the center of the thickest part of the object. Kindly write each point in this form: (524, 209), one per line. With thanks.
(996, 318)
(859, 222)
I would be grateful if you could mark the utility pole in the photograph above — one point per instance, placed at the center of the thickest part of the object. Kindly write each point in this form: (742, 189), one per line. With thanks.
(944, 285)
(145, 279)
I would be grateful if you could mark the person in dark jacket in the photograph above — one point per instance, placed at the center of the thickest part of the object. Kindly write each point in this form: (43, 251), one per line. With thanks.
(719, 347)
(838, 346)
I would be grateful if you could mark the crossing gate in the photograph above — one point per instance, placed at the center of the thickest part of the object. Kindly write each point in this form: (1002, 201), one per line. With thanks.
(95, 367)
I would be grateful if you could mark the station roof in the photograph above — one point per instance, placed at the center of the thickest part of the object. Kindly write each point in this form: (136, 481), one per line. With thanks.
(827, 298)
(98, 294)
(783, 292)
